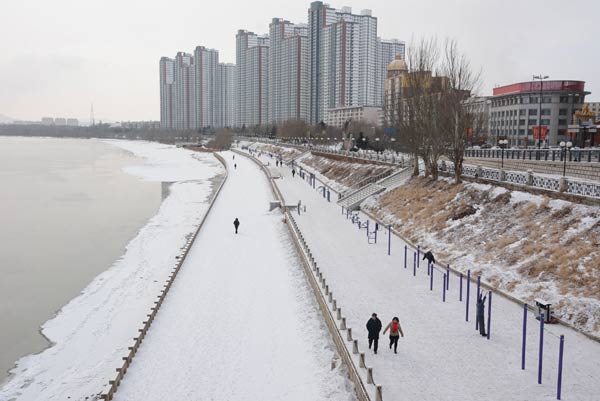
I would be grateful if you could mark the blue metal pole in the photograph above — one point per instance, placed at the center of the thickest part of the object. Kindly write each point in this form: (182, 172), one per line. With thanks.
(460, 292)
(444, 289)
(448, 277)
(560, 366)
(468, 290)
(477, 299)
(367, 229)
(431, 280)
(418, 255)
(524, 336)
(541, 354)
(405, 250)
(489, 314)
(389, 240)
(414, 263)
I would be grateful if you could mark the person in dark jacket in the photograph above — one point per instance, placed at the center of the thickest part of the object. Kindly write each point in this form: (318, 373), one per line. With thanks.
(429, 256)
(480, 314)
(374, 327)
(293, 173)
(236, 224)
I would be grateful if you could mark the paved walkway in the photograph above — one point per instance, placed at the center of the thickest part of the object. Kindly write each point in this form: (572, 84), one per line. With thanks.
(240, 321)
(442, 357)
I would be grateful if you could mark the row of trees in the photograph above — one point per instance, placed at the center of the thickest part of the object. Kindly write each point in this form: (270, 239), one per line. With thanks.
(432, 120)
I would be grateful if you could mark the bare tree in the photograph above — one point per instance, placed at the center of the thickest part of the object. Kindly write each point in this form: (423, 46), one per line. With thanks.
(459, 119)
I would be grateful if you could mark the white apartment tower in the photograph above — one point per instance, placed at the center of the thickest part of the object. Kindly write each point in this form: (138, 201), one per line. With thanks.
(206, 62)
(185, 116)
(288, 72)
(167, 93)
(225, 107)
(387, 50)
(252, 76)
(344, 59)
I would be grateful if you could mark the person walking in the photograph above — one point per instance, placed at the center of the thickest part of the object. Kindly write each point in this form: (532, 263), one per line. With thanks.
(235, 166)
(480, 314)
(374, 327)
(293, 173)
(395, 333)
(236, 224)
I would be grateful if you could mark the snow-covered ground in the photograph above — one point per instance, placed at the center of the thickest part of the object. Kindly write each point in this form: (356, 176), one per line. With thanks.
(442, 357)
(240, 321)
(92, 332)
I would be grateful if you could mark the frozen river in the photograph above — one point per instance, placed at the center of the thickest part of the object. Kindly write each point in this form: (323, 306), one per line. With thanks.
(61, 225)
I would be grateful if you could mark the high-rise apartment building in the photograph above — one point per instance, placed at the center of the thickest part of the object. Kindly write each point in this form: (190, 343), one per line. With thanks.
(185, 112)
(167, 92)
(206, 62)
(387, 50)
(288, 71)
(252, 76)
(225, 107)
(346, 68)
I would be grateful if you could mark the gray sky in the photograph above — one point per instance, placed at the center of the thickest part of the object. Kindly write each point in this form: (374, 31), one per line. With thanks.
(59, 56)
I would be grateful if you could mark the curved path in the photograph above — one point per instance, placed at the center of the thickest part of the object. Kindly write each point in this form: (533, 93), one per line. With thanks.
(441, 357)
(240, 322)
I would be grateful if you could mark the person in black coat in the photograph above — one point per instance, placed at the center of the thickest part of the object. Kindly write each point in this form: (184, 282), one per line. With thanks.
(480, 314)
(236, 224)
(429, 256)
(374, 327)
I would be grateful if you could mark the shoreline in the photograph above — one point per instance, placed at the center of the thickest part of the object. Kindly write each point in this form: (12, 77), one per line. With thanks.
(132, 279)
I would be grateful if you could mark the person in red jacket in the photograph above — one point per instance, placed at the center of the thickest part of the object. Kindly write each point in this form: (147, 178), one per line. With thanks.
(395, 333)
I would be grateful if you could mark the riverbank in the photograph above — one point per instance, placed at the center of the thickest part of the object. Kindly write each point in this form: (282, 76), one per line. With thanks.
(92, 331)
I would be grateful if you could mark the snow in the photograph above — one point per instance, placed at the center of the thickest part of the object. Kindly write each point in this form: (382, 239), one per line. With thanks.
(442, 357)
(240, 321)
(92, 332)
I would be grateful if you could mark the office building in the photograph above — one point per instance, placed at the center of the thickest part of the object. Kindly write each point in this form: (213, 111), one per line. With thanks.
(516, 109)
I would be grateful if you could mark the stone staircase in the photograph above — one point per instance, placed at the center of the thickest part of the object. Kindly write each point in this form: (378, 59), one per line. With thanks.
(353, 199)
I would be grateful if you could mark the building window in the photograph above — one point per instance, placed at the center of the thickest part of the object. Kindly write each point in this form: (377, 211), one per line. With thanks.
(533, 100)
(562, 112)
(545, 112)
(532, 121)
(522, 112)
(522, 122)
(545, 121)
(533, 112)
(562, 122)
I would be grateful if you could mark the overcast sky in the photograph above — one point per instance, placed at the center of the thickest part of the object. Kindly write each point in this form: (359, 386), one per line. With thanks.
(58, 57)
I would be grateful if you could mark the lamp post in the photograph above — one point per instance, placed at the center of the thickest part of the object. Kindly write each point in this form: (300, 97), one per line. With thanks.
(541, 79)
(503, 143)
(564, 146)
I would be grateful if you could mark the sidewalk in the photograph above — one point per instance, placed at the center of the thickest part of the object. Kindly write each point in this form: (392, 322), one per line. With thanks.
(442, 357)
(240, 321)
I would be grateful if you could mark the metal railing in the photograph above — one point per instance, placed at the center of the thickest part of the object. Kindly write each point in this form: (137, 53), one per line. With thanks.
(575, 155)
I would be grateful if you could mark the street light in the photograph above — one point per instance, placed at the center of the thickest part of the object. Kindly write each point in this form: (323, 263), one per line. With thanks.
(503, 143)
(564, 147)
(541, 79)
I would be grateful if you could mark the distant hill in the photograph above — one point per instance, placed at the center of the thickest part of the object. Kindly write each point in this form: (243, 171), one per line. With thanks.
(5, 119)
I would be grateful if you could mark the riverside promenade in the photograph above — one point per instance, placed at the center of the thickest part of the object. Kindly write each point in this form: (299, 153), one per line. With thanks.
(442, 357)
(240, 321)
